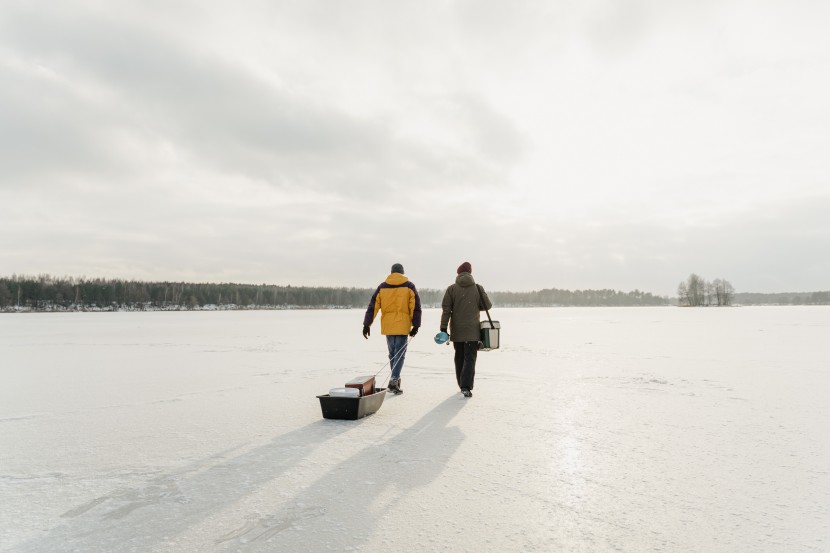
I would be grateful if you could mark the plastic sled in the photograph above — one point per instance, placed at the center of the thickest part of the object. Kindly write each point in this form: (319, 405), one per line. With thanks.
(351, 408)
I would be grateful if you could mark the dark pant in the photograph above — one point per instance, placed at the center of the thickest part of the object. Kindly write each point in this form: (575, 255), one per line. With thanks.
(465, 363)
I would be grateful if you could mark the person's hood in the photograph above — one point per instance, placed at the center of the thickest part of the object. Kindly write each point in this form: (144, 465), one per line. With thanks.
(465, 280)
(396, 279)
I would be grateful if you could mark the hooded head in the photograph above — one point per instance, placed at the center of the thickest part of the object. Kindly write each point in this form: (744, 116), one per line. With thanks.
(465, 268)
(397, 268)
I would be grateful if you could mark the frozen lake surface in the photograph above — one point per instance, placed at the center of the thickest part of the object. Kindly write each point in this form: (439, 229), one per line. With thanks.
(591, 430)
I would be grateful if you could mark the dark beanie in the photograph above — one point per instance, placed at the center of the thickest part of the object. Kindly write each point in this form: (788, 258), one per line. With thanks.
(465, 268)
(397, 268)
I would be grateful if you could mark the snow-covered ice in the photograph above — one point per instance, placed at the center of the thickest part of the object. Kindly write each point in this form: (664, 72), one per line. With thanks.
(591, 430)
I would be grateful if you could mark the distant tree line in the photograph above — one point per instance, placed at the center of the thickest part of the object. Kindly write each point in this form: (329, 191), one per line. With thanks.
(550, 297)
(783, 298)
(696, 291)
(47, 293)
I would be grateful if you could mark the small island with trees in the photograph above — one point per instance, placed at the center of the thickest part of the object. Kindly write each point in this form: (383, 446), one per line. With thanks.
(696, 291)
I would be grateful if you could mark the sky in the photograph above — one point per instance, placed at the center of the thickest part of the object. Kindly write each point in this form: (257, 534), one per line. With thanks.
(553, 144)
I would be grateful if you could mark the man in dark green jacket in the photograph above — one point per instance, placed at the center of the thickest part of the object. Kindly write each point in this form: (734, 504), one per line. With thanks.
(463, 301)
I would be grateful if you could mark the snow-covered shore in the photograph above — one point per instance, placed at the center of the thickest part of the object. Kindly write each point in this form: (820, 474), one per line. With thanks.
(590, 430)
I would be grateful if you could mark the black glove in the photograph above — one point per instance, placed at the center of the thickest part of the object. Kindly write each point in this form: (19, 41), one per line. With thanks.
(366, 332)
(414, 331)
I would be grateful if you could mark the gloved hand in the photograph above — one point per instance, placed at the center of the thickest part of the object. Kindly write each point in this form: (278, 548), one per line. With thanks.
(414, 331)
(366, 332)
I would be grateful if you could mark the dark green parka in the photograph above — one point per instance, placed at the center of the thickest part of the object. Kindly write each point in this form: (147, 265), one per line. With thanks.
(461, 307)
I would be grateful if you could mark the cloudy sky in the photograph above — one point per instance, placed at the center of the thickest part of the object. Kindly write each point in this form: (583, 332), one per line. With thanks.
(569, 144)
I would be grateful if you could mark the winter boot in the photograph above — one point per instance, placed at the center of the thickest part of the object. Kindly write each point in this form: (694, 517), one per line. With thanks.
(466, 393)
(395, 386)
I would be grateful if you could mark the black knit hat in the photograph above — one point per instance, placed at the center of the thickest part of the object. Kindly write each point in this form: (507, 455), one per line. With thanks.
(397, 268)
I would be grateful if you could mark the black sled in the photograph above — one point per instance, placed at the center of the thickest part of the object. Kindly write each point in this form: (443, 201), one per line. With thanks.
(367, 402)
(351, 408)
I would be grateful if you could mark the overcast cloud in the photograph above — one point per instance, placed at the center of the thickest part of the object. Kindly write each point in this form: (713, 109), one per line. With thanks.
(592, 144)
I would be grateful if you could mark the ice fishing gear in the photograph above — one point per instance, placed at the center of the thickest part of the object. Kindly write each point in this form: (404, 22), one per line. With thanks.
(442, 338)
(490, 330)
(348, 405)
(360, 396)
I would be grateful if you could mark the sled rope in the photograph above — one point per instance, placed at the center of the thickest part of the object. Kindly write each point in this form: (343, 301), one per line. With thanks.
(394, 358)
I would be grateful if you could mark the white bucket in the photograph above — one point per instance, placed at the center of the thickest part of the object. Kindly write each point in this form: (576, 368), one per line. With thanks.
(344, 392)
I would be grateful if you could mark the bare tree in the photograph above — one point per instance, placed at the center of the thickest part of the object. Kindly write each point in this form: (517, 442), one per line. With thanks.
(683, 294)
(696, 291)
(717, 284)
(693, 292)
(728, 292)
(696, 286)
(709, 290)
(723, 291)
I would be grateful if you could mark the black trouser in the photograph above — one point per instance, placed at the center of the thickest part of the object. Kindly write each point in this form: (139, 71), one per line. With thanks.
(465, 363)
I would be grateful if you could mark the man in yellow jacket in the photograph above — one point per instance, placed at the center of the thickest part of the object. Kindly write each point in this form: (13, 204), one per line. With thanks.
(400, 305)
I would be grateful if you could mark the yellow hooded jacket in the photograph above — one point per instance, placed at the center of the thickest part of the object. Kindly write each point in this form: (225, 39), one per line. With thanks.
(399, 303)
